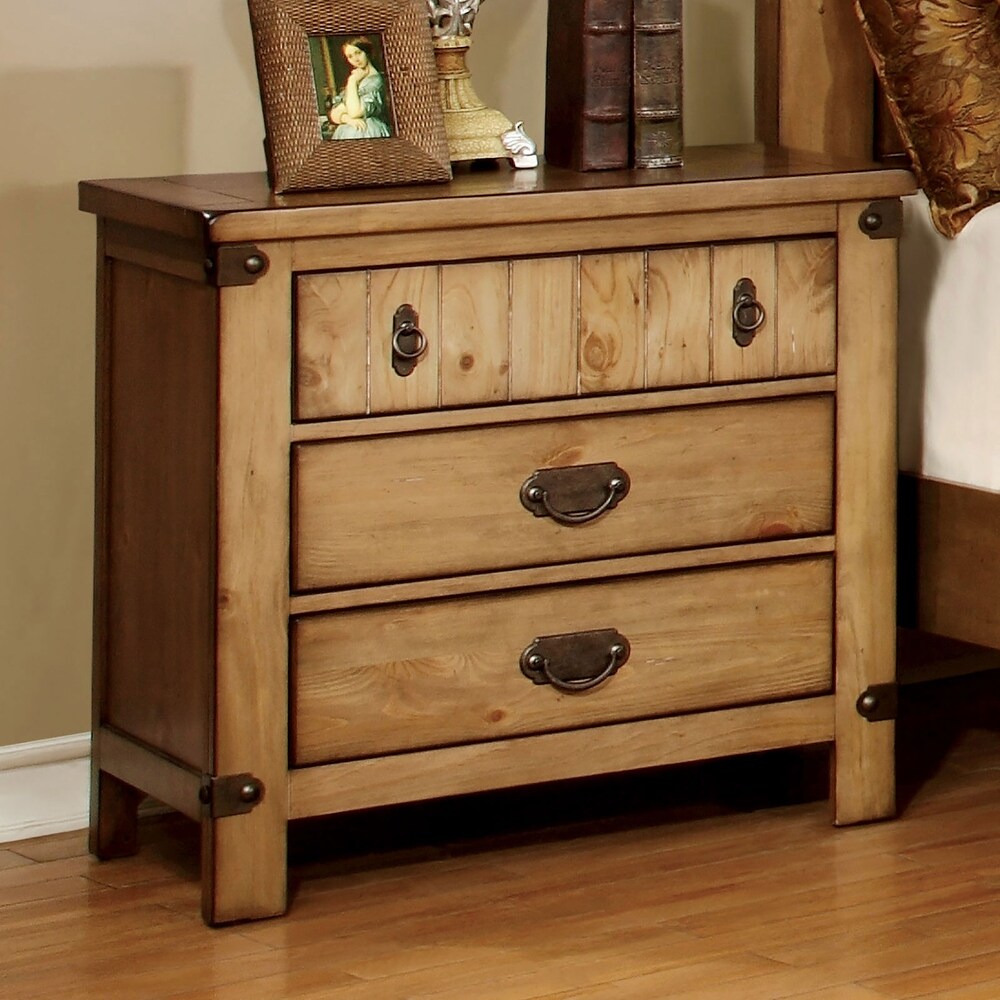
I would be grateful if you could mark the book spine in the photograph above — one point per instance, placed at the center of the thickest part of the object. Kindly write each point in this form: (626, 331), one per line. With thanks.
(657, 84)
(589, 84)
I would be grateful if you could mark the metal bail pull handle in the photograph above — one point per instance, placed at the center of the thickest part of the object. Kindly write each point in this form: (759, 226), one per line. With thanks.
(748, 314)
(576, 661)
(576, 494)
(408, 340)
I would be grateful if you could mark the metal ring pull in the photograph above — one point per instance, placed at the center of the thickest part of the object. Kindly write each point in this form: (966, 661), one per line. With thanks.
(543, 666)
(577, 494)
(540, 496)
(409, 332)
(745, 304)
(748, 302)
(408, 340)
(577, 661)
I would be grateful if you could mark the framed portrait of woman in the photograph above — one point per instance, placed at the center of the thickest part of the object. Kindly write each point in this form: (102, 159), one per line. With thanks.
(349, 93)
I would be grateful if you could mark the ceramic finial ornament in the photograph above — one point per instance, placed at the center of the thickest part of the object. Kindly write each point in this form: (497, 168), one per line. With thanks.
(452, 17)
(474, 131)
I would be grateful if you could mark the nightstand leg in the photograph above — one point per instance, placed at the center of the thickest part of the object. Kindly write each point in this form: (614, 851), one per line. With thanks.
(114, 816)
(244, 867)
(864, 785)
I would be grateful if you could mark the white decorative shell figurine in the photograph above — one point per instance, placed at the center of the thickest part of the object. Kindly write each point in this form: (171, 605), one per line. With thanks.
(522, 149)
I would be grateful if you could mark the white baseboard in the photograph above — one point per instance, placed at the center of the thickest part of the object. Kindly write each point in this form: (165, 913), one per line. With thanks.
(44, 787)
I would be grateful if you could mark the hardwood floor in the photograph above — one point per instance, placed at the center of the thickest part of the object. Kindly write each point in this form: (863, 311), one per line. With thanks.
(718, 881)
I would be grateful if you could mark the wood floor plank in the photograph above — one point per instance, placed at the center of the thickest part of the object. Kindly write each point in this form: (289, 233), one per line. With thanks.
(795, 984)
(962, 973)
(786, 984)
(8, 859)
(917, 960)
(52, 848)
(32, 873)
(683, 890)
(60, 888)
(989, 990)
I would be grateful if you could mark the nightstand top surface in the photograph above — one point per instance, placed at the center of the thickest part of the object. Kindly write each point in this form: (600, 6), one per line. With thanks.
(222, 208)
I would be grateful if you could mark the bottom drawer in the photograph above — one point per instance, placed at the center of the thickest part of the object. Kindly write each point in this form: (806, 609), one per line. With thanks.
(378, 680)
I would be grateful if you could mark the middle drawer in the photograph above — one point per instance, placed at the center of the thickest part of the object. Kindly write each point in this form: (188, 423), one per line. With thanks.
(442, 503)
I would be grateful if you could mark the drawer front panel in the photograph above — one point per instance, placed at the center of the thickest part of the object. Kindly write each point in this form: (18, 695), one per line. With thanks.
(379, 680)
(544, 328)
(447, 503)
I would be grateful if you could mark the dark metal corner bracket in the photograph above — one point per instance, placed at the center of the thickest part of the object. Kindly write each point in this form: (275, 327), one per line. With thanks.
(882, 220)
(236, 264)
(229, 794)
(879, 702)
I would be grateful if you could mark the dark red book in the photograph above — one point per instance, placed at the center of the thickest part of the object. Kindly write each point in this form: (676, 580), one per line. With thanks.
(588, 84)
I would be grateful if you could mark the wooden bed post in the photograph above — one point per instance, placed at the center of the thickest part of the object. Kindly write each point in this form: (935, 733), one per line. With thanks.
(814, 80)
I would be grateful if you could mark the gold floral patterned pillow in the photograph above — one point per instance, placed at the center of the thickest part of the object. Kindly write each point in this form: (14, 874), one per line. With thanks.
(939, 64)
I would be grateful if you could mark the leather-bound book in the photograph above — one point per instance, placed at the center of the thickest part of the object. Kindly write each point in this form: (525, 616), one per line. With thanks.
(588, 84)
(657, 84)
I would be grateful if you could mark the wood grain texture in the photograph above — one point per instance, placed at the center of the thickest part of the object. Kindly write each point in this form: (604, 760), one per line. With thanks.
(612, 294)
(114, 811)
(241, 206)
(157, 560)
(421, 675)
(142, 767)
(403, 519)
(866, 505)
(730, 264)
(475, 351)
(602, 569)
(244, 856)
(331, 345)
(426, 505)
(503, 764)
(544, 328)
(419, 287)
(566, 237)
(826, 85)
(709, 882)
(678, 316)
(949, 559)
(639, 402)
(642, 320)
(806, 313)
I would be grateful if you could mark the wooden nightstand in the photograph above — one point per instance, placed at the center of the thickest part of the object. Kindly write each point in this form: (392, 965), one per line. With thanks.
(416, 492)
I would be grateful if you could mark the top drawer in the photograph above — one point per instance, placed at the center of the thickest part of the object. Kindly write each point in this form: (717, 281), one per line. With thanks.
(549, 327)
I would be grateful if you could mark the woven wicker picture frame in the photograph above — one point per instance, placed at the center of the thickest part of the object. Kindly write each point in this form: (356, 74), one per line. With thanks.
(306, 149)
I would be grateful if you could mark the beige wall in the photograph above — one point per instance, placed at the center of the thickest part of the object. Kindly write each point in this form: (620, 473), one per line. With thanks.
(136, 87)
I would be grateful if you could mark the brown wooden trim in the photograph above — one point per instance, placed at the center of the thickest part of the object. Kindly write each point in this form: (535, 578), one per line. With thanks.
(540, 576)
(161, 203)
(712, 179)
(167, 780)
(864, 785)
(766, 73)
(243, 859)
(333, 788)
(949, 559)
(184, 258)
(922, 657)
(558, 409)
(156, 549)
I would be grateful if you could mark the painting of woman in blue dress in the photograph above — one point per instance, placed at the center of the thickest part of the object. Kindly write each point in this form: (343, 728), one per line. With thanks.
(352, 94)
